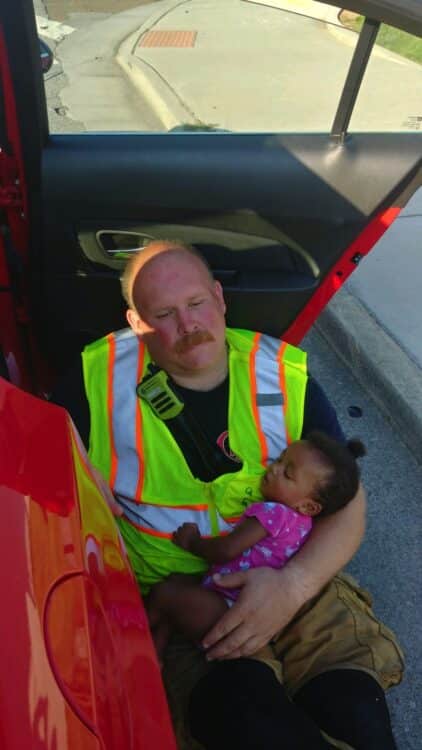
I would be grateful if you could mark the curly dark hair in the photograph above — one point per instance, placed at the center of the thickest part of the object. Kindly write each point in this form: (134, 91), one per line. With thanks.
(342, 483)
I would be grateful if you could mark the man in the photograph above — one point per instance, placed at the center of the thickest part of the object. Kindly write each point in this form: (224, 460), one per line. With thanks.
(244, 396)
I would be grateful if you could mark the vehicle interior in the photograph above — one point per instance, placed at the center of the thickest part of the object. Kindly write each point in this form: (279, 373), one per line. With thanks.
(283, 215)
(283, 219)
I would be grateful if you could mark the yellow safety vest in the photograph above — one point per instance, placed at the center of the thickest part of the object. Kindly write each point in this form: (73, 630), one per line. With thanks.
(138, 455)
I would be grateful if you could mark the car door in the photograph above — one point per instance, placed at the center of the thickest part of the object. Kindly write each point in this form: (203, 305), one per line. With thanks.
(283, 216)
(284, 211)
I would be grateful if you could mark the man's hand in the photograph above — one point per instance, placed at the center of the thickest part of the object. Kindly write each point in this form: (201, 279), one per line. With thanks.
(270, 598)
(268, 601)
(186, 536)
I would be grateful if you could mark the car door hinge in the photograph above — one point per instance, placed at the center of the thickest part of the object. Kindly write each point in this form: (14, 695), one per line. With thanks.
(10, 189)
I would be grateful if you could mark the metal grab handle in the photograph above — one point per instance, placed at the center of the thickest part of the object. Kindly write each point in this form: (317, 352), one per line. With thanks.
(108, 239)
(120, 253)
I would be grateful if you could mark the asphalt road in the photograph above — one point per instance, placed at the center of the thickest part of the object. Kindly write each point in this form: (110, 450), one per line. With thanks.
(74, 29)
(64, 10)
(206, 82)
(389, 562)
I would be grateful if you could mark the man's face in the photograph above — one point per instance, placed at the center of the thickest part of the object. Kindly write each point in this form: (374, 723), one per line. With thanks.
(179, 314)
(294, 477)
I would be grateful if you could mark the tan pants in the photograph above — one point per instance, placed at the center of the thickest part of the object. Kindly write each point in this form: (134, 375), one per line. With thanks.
(335, 630)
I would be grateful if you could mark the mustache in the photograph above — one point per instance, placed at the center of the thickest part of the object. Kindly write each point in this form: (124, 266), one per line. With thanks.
(192, 339)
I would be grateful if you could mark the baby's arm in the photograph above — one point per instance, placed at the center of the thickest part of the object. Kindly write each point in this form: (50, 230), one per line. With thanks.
(220, 549)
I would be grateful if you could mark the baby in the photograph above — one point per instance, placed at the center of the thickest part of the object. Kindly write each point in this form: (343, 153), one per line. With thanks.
(312, 477)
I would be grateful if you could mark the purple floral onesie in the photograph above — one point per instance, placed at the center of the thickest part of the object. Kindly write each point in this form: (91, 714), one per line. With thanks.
(286, 532)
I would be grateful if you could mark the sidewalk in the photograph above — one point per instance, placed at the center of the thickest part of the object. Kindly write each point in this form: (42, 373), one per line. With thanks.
(375, 322)
(238, 65)
(201, 63)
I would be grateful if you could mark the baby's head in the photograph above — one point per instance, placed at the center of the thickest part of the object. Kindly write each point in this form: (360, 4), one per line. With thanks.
(316, 476)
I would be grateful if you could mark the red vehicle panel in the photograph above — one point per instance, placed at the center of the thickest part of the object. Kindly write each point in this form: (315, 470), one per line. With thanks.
(81, 668)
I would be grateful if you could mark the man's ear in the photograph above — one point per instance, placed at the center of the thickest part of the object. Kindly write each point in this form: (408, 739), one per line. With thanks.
(134, 321)
(309, 507)
(218, 291)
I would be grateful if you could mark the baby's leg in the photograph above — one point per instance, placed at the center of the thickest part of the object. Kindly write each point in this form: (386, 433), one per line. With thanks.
(191, 609)
(159, 623)
(161, 636)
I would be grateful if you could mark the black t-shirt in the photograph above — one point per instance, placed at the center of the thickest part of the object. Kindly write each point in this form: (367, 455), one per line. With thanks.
(209, 409)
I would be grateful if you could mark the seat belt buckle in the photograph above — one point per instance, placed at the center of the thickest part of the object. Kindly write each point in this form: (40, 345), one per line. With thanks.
(154, 388)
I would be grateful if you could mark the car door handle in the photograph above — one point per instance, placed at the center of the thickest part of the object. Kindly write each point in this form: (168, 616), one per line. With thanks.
(112, 246)
(119, 243)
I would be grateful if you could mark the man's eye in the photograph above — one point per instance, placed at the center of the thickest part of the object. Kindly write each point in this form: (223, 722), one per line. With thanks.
(162, 315)
(196, 303)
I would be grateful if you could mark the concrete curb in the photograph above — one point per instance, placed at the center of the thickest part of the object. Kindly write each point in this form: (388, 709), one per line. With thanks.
(161, 97)
(378, 363)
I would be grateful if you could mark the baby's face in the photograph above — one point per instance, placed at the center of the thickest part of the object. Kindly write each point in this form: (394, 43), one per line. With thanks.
(293, 478)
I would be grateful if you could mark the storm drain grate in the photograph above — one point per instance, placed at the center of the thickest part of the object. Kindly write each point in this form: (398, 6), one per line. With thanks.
(168, 39)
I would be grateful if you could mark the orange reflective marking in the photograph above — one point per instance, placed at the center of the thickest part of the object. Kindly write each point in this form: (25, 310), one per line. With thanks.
(148, 530)
(138, 429)
(252, 378)
(154, 532)
(111, 359)
(282, 381)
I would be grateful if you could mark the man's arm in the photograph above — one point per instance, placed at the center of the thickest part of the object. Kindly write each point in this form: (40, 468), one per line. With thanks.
(332, 544)
(270, 598)
(319, 413)
(220, 549)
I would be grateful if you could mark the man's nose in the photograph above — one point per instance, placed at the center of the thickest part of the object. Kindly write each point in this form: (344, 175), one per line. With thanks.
(186, 321)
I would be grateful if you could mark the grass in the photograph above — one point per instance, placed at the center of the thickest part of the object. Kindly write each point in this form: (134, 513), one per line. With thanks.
(395, 40)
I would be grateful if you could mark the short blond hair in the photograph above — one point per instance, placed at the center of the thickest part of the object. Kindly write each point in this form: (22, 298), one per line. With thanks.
(128, 275)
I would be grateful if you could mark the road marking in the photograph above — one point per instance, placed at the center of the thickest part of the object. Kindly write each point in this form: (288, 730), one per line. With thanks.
(168, 38)
(52, 29)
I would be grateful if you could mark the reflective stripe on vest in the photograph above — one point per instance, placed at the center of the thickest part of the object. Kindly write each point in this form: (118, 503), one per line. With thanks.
(269, 398)
(126, 420)
(138, 455)
(127, 470)
(160, 520)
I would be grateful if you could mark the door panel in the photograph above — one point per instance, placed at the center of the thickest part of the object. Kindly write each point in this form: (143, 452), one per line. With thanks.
(272, 213)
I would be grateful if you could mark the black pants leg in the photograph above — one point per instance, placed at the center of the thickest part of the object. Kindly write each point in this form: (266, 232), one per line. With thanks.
(349, 705)
(241, 705)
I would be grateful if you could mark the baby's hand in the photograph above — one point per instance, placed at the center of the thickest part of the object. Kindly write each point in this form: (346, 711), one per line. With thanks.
(186, 535)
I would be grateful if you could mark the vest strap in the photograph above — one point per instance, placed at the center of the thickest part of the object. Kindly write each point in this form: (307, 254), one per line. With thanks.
(269, 399)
